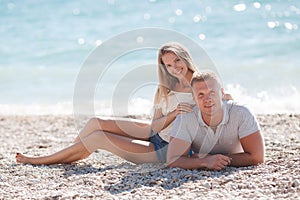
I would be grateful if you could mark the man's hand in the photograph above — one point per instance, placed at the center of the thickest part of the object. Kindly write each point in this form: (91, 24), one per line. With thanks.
(215, 162)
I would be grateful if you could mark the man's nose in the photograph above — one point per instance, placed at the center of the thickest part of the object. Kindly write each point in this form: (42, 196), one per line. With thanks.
(207, 97)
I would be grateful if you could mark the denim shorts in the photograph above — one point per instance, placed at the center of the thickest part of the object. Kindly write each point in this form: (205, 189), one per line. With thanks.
(160, 146)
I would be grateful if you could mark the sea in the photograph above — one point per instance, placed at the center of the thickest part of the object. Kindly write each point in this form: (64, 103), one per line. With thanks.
(99, 56)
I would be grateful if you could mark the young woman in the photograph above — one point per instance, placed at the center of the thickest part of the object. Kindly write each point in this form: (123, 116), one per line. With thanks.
(134, 141)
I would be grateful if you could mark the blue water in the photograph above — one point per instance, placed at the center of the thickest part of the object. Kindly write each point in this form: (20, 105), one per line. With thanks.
(255, 46)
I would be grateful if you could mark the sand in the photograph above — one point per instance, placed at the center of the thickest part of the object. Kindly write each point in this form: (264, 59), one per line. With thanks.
(105, 176)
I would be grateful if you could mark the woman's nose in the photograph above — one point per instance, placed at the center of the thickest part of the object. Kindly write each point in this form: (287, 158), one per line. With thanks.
(175, 66)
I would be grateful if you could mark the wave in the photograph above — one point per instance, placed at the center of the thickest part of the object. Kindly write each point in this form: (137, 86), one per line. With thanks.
(280, 100)
(284, 100)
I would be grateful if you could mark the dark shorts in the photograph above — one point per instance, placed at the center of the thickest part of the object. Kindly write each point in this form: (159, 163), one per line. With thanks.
(160, 146)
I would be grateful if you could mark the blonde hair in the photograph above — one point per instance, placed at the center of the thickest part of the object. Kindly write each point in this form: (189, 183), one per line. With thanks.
(204, 76)
(167, 82)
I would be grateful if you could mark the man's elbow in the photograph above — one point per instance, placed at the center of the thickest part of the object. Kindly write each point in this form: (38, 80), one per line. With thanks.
(258, 159)
(169, 165)
(172, 162)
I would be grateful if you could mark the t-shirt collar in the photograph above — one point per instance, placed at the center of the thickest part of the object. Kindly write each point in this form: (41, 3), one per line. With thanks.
(225, 115)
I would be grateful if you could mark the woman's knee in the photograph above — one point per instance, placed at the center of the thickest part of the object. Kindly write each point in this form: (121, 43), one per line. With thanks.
(95, 123)
(94, 141)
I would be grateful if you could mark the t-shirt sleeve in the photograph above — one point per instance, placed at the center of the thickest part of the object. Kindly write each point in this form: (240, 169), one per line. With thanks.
(248, 123)
(180, 128)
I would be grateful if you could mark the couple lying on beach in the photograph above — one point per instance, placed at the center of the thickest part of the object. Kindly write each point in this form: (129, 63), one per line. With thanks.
(194, 125)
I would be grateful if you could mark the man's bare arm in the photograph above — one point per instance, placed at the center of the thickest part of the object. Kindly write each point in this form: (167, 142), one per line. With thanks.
(178, 157)
(254, 151)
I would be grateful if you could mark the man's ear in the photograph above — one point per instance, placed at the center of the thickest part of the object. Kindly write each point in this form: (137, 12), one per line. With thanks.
(193, 97)
(222, 91)
(193, 94)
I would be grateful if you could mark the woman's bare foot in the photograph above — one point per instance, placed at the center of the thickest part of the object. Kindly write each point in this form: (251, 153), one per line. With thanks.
(20, 158)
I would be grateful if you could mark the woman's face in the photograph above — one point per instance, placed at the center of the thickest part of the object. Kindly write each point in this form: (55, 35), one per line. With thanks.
(175, 65)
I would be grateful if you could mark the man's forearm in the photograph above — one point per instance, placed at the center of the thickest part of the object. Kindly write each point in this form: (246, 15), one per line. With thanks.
(185, 162)
(216, 162)
(245, 159)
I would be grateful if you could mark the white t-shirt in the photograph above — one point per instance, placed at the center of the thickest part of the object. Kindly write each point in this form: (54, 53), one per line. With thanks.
(238, 122)
(174, 98)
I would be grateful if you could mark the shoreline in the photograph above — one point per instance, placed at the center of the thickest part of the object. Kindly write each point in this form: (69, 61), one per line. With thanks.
(103, 175)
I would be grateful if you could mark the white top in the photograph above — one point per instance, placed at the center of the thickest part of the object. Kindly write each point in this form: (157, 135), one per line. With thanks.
(174, 98)
(238, 122)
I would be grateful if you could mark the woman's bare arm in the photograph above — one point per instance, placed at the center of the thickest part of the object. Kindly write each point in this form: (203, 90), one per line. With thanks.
(159, 121)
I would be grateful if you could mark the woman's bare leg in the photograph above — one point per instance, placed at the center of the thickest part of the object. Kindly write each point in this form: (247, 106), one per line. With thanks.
(126, 128)
(135, 151)
(70, 154)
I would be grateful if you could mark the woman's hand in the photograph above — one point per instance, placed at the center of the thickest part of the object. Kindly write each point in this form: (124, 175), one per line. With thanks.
(160, 122)
(227, 97)
(183, 108)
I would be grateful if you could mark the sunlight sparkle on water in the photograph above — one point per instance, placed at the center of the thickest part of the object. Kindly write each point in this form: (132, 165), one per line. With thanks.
(178, 12)
(197, 18)
(288, 25)
(273, 24)
(98, 42)
(240, 7)
(268, 7)
(201, 36)
(295, 9)
(80, 41)
(256, 5)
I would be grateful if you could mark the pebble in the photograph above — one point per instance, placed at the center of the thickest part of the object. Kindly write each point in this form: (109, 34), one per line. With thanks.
(207, 185)
(105, 176)
(296, 183)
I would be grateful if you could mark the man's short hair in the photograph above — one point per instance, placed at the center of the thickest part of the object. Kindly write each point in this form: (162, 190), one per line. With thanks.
(204, 76)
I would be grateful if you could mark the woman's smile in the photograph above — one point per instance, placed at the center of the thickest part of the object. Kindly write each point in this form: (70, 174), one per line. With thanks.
(175, 65)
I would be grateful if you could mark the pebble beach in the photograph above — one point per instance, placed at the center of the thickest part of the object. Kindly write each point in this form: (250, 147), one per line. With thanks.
(105, 176)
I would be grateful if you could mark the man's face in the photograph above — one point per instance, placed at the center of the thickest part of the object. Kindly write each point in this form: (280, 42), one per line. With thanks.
(208, 97)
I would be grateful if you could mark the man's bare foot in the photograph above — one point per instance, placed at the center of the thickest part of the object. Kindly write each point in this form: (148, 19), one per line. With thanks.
(20, 158)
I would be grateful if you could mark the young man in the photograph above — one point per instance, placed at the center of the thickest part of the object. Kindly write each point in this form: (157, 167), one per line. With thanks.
(220, 133)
